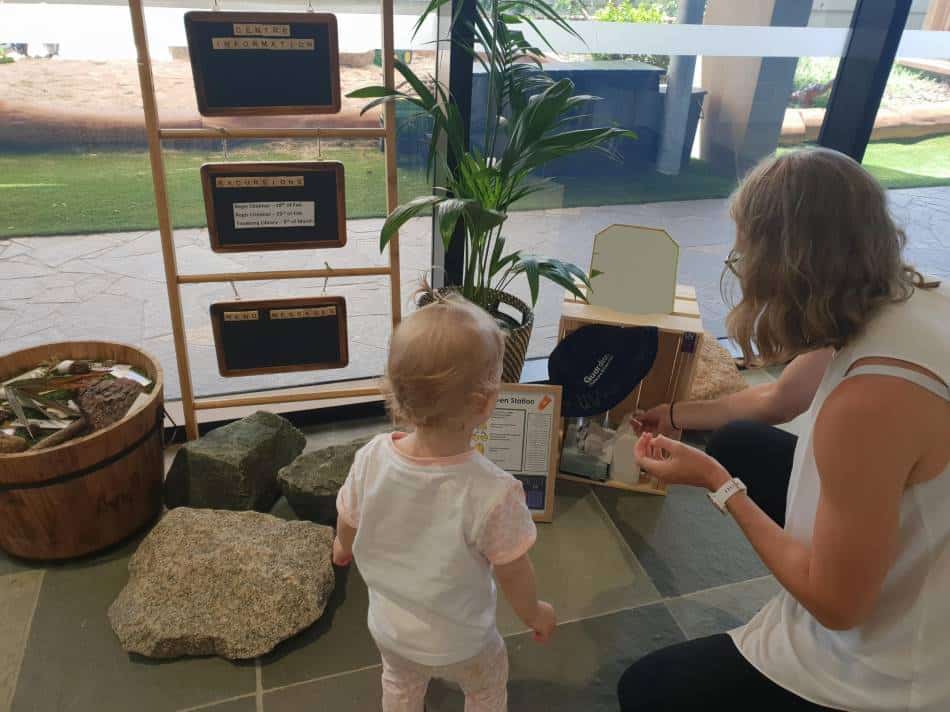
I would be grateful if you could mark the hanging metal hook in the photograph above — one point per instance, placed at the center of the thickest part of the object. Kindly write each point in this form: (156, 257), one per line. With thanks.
(215, 5)
(234, 289)
(326, 279)
(309, 5)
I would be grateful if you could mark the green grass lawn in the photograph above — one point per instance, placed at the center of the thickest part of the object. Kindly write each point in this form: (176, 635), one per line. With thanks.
(110, 191)
(910, 164)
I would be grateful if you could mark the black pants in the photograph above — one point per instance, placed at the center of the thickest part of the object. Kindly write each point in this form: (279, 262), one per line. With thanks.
(710, 673)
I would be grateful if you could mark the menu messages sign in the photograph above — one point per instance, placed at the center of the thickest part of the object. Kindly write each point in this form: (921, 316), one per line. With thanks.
(280, 335)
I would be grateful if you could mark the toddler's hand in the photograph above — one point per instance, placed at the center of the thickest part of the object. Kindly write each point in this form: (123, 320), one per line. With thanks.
(341, 557)
(544, 622)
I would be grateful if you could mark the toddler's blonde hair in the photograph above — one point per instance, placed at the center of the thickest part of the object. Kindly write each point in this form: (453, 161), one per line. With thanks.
(439, 358)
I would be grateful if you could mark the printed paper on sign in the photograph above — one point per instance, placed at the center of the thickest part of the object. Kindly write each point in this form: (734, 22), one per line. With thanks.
(283, 213)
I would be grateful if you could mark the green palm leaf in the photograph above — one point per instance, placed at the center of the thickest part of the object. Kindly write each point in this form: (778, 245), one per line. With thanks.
(529, 121)
(401, 215)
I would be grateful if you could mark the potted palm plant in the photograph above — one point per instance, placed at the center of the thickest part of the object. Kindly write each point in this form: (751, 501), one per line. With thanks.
(527, 124)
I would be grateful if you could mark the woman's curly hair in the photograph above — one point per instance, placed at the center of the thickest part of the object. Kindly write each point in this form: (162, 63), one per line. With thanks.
(817, 255)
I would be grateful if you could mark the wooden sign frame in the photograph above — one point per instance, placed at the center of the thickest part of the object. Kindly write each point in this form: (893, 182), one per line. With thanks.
(552, 395)
(210, 172)
(218, 317)
(262, 20)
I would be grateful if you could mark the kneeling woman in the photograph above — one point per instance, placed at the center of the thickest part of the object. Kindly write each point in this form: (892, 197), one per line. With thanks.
(853, 517)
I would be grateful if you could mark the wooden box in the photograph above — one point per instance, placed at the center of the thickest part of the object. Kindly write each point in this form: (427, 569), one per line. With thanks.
(671, 378)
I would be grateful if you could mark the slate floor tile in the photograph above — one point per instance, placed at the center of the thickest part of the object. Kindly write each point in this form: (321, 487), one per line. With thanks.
(582, 565)
(74, 662)
(580, 667)
(242, 704)
(684, 544)
(578, 670)
(18, 593)
(721, 609)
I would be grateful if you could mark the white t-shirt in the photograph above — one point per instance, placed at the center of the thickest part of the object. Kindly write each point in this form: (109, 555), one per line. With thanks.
(899, 658)
(428, 532)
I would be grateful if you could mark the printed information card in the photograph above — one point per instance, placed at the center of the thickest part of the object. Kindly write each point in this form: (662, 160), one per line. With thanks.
(284, 213)
(522, 438)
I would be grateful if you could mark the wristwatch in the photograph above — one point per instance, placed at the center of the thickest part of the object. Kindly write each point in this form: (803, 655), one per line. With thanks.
(722, 495)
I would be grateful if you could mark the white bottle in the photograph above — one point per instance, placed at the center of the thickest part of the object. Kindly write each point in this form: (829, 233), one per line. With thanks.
(624, 466)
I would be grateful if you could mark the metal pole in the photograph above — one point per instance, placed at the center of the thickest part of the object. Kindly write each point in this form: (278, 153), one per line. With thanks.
(460, 92)
(679, 93)
(876, 29)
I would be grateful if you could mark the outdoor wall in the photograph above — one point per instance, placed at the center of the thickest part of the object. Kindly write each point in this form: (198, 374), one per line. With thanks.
(747, 96)
(837, 13)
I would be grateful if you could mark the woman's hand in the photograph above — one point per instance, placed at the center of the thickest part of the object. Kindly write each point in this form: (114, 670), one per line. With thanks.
(677, 464)
(656, 421)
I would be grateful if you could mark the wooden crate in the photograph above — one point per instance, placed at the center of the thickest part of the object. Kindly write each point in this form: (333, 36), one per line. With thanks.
(671, 378)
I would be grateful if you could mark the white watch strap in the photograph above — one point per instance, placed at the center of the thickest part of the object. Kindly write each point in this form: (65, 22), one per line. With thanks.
(722, 495)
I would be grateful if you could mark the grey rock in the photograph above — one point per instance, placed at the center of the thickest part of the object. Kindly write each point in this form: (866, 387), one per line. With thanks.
(212, 582)
(235, 466)
(311, 482)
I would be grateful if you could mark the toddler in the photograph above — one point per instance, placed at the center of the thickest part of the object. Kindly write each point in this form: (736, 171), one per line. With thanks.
(429, 520)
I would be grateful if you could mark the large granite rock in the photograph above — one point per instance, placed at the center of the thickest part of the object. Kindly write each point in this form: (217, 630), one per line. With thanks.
(311, 482)
(234, 584)
(234, 467)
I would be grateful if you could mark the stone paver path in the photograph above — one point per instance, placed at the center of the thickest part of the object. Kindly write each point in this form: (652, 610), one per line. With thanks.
(112, 287)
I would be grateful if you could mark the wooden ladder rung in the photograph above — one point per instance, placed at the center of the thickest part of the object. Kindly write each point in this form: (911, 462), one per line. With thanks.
(212, 132)
(283, 274)
(323, 394)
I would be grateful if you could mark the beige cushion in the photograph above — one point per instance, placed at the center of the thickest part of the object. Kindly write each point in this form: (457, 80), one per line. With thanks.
(716, 372)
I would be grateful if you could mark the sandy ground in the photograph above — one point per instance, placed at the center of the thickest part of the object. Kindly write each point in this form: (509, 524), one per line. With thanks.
(47, 95)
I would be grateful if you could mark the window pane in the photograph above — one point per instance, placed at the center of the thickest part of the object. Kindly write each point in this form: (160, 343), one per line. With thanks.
(909, 150)
(762, 75)
(80, 254)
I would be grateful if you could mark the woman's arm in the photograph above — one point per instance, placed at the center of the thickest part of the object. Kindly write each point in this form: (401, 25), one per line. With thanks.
(771, 403)
(867, 440)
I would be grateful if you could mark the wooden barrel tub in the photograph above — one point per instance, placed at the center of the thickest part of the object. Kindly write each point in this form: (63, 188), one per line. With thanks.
(91, 492)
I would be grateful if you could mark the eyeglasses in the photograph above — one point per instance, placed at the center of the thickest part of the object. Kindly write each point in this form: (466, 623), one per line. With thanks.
(731, 261)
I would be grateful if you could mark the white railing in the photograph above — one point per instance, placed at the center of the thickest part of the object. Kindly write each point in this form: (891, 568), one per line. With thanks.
(726, 40)
(87, 31)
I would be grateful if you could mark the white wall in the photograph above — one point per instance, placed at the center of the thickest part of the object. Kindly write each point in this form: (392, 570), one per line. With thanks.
(837, 13)
(101, 32)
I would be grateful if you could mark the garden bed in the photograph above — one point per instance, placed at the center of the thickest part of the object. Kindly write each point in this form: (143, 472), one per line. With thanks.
(47, 103)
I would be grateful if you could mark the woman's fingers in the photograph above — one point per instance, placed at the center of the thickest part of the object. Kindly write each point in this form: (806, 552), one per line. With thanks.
(667, 444)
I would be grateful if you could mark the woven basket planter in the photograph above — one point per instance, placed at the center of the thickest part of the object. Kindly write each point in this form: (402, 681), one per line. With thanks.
(517, 330)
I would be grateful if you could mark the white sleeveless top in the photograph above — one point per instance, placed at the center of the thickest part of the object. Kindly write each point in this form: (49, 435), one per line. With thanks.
(898, 659)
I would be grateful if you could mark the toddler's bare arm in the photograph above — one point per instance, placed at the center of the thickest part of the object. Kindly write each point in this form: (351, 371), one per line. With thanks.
(343, 543)
(516, 580)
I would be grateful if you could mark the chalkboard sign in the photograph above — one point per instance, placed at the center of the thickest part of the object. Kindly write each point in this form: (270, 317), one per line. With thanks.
(274, 206)
(280, 335)
(256, 63)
